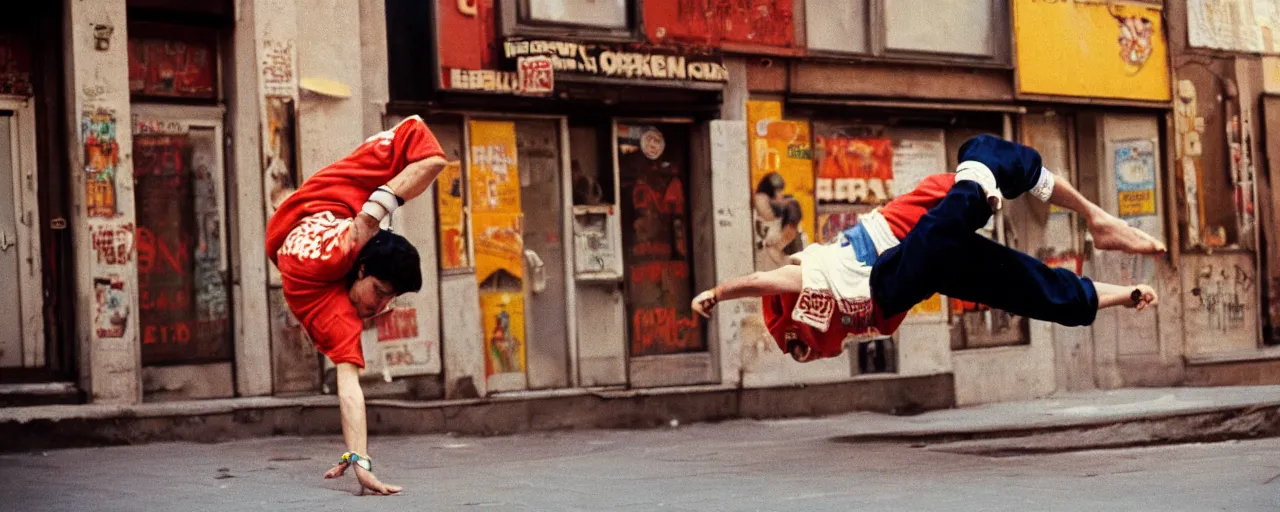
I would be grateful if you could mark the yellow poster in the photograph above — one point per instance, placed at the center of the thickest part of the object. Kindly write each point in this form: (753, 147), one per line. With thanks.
(494, 177)
(504, 336)
(499, 247)
(1091, 49)
(453, 227)
(781, 183)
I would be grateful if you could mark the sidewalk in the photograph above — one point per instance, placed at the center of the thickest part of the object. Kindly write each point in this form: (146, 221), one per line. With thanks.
(1099, 419)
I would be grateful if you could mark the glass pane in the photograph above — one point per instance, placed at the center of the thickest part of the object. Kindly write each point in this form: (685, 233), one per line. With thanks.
(594, 13)
(968, 30)
(182, 288)
(837, 25)
(10, 313)
(653, 169)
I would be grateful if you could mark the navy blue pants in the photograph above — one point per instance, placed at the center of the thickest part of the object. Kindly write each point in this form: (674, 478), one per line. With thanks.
(943, 253)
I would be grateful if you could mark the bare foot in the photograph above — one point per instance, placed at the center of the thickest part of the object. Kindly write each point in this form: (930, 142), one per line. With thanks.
(1113, 234)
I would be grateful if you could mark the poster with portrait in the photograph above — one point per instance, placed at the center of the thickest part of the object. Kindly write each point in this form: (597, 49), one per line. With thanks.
(781, 184)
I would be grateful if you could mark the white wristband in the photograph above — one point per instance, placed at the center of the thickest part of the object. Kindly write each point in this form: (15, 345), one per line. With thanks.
(382, 202)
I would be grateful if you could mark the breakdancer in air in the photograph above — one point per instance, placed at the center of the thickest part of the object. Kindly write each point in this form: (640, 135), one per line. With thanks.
(862, 284)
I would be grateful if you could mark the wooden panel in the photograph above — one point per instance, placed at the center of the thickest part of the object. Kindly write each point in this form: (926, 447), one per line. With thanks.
(1270, 204)
(767, 75)
(901, 81)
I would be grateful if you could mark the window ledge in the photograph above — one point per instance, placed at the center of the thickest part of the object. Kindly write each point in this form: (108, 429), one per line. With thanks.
(1261, 354)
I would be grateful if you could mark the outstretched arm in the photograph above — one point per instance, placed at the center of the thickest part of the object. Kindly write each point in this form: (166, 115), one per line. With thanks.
(355, 429)
(1109, 232)
(787, 279)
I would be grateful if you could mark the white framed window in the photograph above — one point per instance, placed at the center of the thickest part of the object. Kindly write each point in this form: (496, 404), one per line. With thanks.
(974, 29)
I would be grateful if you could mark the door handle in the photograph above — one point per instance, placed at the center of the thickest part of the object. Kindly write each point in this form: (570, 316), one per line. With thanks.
(538, 270)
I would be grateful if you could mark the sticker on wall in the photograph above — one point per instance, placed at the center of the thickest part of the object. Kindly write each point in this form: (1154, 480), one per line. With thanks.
(278, 68)
(101, 159)
(113, 245)
(1135, 165)
(112, 315)
(652, 144)
(537, 76)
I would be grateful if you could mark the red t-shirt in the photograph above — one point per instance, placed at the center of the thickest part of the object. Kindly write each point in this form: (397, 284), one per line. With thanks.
(316, 223)
(902, 214)
(343, 187)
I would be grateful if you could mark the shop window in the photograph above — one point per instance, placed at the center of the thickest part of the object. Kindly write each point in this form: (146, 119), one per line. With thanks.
(171, 63)
(608, 14)
(975, 29)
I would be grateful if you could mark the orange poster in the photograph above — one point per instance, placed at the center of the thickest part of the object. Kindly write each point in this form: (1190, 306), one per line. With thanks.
(494, 176)
(854, 171)
(781, 183)
(453, 223)
(499, 248)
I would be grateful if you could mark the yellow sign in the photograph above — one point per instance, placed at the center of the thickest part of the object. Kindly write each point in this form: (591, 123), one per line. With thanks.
(453, 227)
(1091, 49)
(503, 332)
(1137, 202)
(781, 179)
(494, 175)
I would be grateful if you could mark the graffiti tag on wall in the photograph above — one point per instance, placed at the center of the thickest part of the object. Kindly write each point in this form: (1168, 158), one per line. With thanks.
(1223, 293)
(101, 159)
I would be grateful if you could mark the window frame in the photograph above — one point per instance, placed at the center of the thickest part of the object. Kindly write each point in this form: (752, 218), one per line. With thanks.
(514, 21)
(876, 31)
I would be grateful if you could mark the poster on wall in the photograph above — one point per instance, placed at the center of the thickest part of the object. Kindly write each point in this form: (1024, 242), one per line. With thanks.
(454, 253)
(493, 177)
(502, 314)
(916, 159)
(171, 68)
(1091, 49)
(1135, 175)
(497, 224)
(1234, 25)
(782, 184)
(854, 171)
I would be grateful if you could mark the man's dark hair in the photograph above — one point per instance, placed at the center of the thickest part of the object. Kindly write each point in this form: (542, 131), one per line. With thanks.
(391, 258)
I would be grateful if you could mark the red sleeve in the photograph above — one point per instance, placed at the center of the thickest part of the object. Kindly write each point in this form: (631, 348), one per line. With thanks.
(415, 140)
(905, 210)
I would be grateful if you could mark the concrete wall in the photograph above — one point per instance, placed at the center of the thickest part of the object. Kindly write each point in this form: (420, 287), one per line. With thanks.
(107, 294)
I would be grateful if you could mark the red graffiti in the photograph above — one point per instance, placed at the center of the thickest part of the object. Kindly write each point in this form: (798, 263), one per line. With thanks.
(399, 324)
(163, 300)
(158, 255)
(653, 272)
(174, 333)
(661, 330)
(671, 202)
(113, 244)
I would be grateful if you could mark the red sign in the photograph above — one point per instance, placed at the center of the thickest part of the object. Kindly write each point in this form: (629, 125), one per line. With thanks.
(180, 69)
(536, 75)
(717, 23)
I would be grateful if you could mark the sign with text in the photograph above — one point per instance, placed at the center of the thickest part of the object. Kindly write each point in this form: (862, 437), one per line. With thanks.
(624, 61)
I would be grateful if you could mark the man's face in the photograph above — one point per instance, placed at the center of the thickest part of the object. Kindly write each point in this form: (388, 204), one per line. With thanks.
(370, 295)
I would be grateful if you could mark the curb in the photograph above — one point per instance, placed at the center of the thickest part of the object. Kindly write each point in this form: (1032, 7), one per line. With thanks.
(55, 427)
(1213, 424)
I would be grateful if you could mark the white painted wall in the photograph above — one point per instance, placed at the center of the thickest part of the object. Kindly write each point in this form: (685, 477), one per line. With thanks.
(98, 79)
